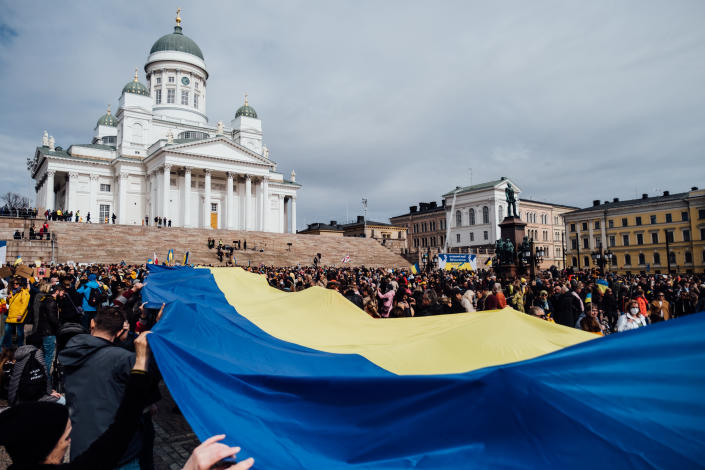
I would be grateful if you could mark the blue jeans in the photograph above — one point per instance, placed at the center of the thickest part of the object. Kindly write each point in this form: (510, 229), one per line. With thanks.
(48, 346)
(10, 329)
(133, 464)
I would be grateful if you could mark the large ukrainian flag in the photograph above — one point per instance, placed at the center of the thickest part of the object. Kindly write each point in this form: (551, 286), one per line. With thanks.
(308, 381)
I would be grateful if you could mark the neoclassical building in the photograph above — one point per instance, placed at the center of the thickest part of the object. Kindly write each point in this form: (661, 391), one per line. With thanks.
(158, 156)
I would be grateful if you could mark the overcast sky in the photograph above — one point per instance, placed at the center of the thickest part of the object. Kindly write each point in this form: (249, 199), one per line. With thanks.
(393, 101)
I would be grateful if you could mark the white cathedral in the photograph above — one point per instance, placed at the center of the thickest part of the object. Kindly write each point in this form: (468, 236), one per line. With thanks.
(159, 157)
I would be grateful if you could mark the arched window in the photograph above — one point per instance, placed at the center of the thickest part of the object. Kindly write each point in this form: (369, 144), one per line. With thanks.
(472, 216)
(657, 258)
(575, 261)
(485, 215)
(627, 260)
(672, 257)
(458, 218)
(501, 212)
(688, 257)
(642, 258)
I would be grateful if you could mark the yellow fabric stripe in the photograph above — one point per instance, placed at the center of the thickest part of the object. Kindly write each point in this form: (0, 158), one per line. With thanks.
(324, 320)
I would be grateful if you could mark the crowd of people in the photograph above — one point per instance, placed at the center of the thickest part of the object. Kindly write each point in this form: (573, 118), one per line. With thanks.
(75, 368)
(578, 300)
(74, 349)
(22, 212)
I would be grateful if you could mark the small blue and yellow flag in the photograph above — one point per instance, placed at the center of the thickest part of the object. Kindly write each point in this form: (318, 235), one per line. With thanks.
(488, 263)
(415, 268)
(185, 259)
(18, 260)
(170, 257)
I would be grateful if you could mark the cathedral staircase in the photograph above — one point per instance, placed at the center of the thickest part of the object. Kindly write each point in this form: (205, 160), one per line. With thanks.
(107, 243)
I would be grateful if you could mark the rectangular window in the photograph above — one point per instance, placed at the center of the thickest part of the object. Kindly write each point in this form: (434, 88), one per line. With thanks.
(610, 223)
(686, 235)
(105, 188)
(159, 80)
(585, 226)
(545, 235)
(701, 213)
(195, 85)
(572, 227)
(104, 213)
(702, 233)
(172, 79)
(625, 240)
(586, 243)
(195, 101)
(457, 237)
(558, 252)
(574, 243)
(184, 97)
(639, 239)
(669, 218)
(158, 96)
(669, 236)
(684, 216)
(214, 207)
(624, 222)
(638, 220)
(654, 238)
(597, 225)
(613, 240)
(472, 237)
(170, 95)
(653, 219)
(486, 235)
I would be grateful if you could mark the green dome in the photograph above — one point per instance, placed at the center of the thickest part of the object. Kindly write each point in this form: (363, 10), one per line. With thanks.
(135, 87)
(107, 119)
(176, 41)
(246, 110)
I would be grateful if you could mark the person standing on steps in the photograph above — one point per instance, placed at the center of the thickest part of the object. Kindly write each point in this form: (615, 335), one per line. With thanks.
(114, 217)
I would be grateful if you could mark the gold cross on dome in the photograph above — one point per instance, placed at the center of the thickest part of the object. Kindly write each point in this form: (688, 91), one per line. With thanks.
(178, 16)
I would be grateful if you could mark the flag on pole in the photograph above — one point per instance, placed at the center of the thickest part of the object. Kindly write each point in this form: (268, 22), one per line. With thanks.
(156, 260)
(602, 285)
(170, 258)
(18, 260)
(185, 259)
(415, 268)
(346, 259)
(488, 263)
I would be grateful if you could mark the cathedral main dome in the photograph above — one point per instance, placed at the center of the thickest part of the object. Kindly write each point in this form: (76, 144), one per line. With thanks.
(176, 41)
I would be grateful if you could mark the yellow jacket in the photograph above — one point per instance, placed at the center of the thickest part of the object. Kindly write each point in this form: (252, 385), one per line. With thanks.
(17, 306)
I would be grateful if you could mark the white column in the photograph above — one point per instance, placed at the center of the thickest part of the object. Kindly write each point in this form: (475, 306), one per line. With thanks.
(72, 180)
(265, 205)
(122, 199)
(207, 200)
(258, 206)
(281, 213)
(248, 202)
(293, 214)
(240, 221)
(50, 196)
(93, 202)
(187, 197)
(166, 186)
(229, 206)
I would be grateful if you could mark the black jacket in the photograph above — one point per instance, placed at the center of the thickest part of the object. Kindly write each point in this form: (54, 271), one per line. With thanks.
(567, 309)
(68, 306)
(95, 375)
(48, 321)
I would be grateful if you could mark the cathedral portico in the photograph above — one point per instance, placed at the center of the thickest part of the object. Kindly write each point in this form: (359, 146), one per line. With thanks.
(157, 156)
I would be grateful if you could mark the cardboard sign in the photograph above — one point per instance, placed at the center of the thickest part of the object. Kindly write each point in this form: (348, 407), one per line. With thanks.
(24, 271)
(5, 271)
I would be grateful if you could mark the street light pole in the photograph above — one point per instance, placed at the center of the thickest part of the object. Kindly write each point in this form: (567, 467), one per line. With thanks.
(668, 252)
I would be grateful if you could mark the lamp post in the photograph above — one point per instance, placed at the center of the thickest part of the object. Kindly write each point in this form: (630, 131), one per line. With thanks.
(531, 256)
(600, 258)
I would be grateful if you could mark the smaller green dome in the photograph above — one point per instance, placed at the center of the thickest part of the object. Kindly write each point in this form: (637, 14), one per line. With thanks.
(107, 119)
(135, 87)
(246, 110)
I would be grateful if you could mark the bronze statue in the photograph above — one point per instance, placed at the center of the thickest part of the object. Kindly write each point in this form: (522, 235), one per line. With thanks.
(511, 201)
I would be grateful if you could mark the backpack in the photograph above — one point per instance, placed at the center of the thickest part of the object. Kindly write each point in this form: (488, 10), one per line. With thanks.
(96, 297)
(28, 381)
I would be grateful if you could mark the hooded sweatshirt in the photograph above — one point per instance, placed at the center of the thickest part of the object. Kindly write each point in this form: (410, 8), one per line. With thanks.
(85, 290)
(95, 375)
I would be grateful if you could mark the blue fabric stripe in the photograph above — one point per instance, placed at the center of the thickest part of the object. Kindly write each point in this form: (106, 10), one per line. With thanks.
(632, 400)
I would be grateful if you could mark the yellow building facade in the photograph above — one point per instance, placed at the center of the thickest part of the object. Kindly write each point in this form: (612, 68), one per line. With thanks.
(637, 234)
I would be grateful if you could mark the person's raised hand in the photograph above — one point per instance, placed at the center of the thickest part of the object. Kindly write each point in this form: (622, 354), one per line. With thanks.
(142, 351)
(211, 452)
(161, 312)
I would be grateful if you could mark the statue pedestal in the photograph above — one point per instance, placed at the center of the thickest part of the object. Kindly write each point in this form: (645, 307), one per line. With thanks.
(514, 229)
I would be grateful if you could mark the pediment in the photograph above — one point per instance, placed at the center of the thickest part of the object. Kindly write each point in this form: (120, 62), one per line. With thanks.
(221, 148)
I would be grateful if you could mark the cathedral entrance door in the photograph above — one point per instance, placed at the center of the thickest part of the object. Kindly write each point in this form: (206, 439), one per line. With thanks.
(214, 220)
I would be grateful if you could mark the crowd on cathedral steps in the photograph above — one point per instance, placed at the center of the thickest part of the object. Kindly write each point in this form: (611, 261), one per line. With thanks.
(75, 355)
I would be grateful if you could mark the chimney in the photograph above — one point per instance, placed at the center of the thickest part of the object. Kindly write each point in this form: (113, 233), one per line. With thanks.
(360, 219)
(423, 206)
(412, 209)
(644, 196)
(503, 178)
(694, 188)
(615, 199)
(666, 193)
(443, 202)
(596, 202)
(433, 205)
(334, 223)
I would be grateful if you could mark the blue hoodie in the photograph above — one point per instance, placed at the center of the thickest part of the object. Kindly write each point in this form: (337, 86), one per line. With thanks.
(85, 290)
